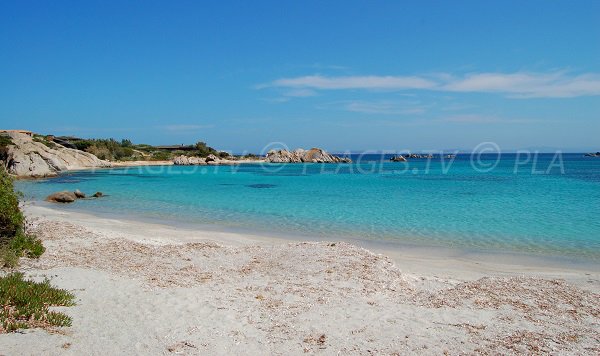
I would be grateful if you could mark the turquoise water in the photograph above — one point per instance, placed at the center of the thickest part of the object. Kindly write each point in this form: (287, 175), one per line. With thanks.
(550, 207)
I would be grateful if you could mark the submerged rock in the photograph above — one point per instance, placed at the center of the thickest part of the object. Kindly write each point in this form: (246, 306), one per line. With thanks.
(28, 158)
(62, 197)
(97, 195)
(314, 155)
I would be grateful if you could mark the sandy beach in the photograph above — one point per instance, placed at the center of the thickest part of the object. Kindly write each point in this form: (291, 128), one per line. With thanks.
(146, 288)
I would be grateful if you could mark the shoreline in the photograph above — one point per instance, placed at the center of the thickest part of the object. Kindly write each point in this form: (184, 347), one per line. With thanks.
(431, 260)
(148, 288)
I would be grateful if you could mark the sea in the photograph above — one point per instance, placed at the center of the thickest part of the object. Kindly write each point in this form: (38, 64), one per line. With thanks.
(533, 203)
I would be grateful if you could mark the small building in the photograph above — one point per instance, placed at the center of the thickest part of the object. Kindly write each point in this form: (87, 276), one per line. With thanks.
(25, 132)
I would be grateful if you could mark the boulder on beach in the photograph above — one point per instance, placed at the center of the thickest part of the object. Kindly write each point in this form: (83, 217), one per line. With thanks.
(314, 155)
(62, 197)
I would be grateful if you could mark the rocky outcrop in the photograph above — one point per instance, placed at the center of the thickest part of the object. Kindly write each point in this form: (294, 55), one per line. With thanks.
(189, 161)
(210, 160)
(314, 155)
(28, 158)
(597, 154)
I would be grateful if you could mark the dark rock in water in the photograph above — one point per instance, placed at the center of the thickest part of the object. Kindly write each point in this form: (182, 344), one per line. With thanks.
(62, 197)
(98, 195)
(79, 194)
(398, 159)
(415, 155)
(597, 154)
(261, 186)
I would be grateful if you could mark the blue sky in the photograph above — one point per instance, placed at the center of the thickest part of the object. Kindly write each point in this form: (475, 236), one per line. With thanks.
(343, 75)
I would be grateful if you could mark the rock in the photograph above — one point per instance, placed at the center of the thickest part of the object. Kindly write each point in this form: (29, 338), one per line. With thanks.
(27, 158)
(98, 195)
(415, 155)
(398, 159)
(314, 155)
(79, 194)
(211, 158)
(189, 161)
(62, 197)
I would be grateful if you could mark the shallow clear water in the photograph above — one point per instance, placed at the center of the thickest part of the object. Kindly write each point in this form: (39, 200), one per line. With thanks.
(550, 207)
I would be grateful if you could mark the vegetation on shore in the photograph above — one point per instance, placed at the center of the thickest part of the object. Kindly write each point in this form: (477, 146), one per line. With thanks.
(15, 242)
(24, 304)
(124, 150)
(5, 141)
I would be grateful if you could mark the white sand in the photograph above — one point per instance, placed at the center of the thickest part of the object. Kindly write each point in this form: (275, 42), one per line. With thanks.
(152, 289)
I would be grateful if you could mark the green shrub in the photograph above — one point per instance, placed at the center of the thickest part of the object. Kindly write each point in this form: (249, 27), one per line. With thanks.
(8, 256)
(42, 139)
(203, 150)
(5, 141)
(26, 304)
(83, 145)
(27, 245)
(11, 218)
(14, 240)
(161, 156)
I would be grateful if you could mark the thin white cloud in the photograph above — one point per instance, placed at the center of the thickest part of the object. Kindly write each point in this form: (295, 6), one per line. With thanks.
(528, 85)
(300, 93)
(383, 107)
(318, 82)
(558, 84)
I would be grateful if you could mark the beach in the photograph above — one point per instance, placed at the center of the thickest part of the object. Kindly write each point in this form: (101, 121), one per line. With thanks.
(147, 288)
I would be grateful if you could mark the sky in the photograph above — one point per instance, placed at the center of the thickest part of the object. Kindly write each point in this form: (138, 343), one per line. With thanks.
(342, 75)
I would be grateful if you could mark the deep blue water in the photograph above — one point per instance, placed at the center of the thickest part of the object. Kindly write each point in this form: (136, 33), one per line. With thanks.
(548, 205)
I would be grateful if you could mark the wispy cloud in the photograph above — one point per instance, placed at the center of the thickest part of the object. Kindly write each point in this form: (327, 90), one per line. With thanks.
(385, 107)
(300, 93)
(528, 85)
(351, 82)
(557, 84)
